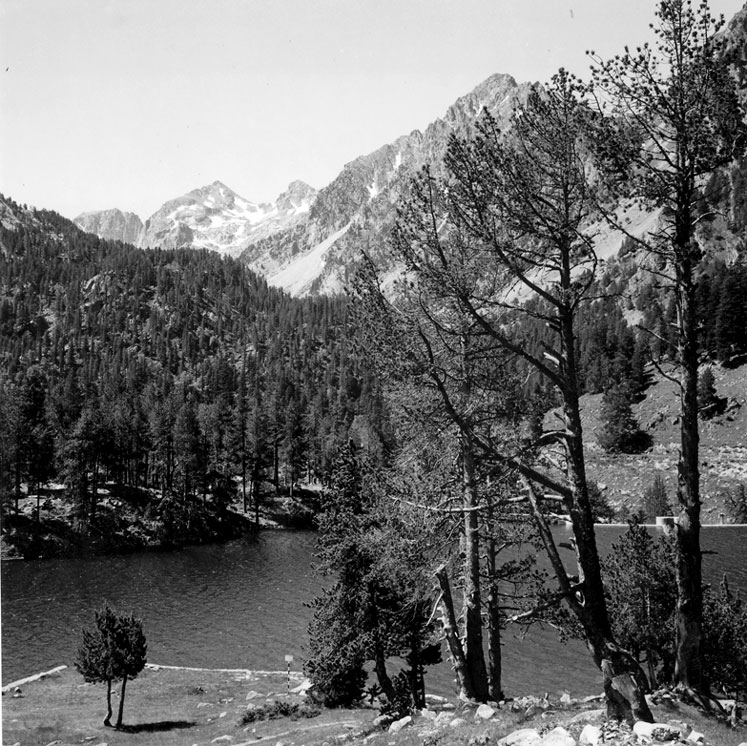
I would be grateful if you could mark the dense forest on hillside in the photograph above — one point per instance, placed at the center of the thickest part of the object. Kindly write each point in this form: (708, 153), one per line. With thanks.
(185, 373)
(179, 371)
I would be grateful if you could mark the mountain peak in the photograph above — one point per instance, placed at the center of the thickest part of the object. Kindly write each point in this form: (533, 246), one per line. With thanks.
(489, 94)
(113, 224)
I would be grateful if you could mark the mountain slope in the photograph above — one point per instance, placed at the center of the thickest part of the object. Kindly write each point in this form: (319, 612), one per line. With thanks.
(362, 199)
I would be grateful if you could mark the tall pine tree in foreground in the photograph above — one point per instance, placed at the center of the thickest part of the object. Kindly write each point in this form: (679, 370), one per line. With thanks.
(671, 117)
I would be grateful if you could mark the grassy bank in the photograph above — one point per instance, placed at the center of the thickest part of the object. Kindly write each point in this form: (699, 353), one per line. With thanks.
(177, 707)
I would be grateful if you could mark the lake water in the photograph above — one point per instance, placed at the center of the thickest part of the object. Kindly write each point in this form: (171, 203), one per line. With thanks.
(242, 605)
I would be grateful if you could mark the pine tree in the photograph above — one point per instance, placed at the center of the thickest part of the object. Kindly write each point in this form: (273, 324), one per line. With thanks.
(655, 500)
(640, 585)
(619, 431)
(675, 117)
(114, 649)
(708, 400)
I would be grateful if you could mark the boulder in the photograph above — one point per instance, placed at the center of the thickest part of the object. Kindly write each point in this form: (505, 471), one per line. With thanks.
(590, 735)
(696, 737)
(558, 737)
(660, 732)
(397, 725)
(457, 723)
(521, 737)
(484, 712)
(435, 699)
(566, 699)
(428, 714)
(302, 688)
(589, 716)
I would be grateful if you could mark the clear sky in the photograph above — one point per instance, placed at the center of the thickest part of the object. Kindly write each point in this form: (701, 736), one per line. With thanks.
(129, 103)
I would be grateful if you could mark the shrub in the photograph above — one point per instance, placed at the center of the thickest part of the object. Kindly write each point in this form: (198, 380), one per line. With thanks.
(279, 709)
(401, 704)
(725, 641)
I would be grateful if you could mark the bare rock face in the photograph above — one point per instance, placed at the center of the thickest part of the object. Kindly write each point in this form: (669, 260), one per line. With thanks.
(357, 209)
(113, 225)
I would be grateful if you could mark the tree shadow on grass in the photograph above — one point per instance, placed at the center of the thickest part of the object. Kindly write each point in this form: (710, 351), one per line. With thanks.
(163, 725)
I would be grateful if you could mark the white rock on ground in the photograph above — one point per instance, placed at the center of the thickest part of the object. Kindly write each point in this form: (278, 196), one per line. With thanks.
(596, 717)
(521, 737)
(435, 699)
(444, 718)
(428, 714)
(397, 725)
(590, 735)
(656, 731)
(484, 712)
(558, 737)
(696, 737)
(457, 723)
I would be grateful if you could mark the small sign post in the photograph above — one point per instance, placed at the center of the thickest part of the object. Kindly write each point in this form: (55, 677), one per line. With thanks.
(289, 660)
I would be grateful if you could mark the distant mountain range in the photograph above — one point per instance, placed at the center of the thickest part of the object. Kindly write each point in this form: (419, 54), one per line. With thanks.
(212, 217)
(308, 241)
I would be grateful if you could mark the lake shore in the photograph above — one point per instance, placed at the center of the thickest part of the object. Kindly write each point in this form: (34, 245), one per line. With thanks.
(172, 706)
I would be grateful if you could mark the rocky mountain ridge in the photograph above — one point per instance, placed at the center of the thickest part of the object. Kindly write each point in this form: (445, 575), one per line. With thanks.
(357, 209)
(308, 242)
(211, 217)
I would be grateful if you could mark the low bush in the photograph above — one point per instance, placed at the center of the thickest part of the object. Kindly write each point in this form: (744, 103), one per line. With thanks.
(278, 709)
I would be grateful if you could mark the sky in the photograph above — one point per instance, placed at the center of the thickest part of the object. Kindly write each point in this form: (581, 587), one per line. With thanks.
(130, 103)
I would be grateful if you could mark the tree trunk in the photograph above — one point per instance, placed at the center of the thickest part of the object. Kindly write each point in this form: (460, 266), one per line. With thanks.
(379, 657)
(472, 601)
(255, 495)
(417, 679)
(622, 676)
(121, 702)
(17, 477)
(108, 718)
(495, 658)
(688, 671)
(461, 672)
(243, 469)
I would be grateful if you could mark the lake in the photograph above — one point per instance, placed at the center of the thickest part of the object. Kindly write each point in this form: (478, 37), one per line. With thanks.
(243, 605)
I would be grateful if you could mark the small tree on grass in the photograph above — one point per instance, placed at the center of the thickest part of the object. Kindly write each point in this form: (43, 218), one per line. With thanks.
(113, 649)
(708, 401)
(655, 500)
(620, 431)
